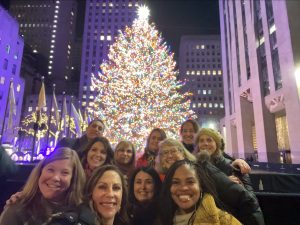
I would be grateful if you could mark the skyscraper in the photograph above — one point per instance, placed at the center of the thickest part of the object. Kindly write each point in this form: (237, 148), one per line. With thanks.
(48, 27)
(200, 67)
(260, 53)
(11, 51)
(103, 20)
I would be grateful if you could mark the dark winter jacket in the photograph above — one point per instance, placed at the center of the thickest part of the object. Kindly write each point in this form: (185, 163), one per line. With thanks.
(143, 214)
(224, 164)
(83, 215)
(238, 201)
(77, 144)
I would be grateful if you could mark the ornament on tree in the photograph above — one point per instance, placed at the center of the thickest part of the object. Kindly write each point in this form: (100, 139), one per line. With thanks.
(137, 86)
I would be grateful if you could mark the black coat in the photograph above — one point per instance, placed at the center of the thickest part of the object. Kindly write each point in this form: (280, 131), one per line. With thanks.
(238, 201)
(143, 214)
(224, 164)
(77, 144)
(82, 215)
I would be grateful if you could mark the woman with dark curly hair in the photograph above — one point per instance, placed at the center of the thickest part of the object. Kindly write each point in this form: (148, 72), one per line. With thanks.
(189, 197)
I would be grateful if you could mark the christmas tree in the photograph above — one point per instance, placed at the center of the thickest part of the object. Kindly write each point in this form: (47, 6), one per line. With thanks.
(137, 86)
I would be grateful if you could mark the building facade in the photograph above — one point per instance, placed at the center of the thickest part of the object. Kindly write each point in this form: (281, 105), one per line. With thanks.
(11, 52)
(48, 27)
(260, 54)
(103, 20)
(201, 69)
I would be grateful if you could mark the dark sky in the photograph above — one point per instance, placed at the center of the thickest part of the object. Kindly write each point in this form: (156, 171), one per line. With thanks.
(184, 17)
(174, 18)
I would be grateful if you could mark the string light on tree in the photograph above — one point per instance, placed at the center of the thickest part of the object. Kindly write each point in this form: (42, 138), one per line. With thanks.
(137, 86)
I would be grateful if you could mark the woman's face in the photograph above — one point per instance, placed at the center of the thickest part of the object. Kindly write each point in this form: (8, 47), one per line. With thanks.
(185, 189)
(96, 156)
(169, 155)
(107, 195)
(55, 179)
(143, 187)
(207, 143)
(124, 155)
(188, 133)
(154, 139)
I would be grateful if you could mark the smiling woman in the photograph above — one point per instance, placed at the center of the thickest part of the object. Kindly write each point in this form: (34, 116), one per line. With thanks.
(106, 194)
(97, 153)
(55, 184)
(188, 197)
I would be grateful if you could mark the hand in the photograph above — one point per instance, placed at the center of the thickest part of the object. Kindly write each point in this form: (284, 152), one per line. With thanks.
(242, 165)
(15, 198)
(235, 179)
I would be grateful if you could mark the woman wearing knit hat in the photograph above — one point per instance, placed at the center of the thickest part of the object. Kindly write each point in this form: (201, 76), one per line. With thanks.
(210, 140)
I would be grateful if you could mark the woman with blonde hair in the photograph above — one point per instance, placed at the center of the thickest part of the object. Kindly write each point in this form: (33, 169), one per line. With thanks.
(170, 151)
(124, 157)
(54, 185)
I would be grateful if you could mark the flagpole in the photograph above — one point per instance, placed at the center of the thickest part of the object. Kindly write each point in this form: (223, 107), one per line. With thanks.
(36, 124)
(50, 116)
(7, 100)
(71, 101)
(61, 117)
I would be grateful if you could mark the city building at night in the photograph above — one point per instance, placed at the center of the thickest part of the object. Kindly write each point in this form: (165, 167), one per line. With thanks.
(11, 51)
(201, 70)
(48, 27)
(103, 20)
(260, 58)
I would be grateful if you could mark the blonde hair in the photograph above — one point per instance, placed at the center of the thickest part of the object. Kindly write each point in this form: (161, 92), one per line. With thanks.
(74, 195)
(170, 142)
(215, 135)
(124, 145)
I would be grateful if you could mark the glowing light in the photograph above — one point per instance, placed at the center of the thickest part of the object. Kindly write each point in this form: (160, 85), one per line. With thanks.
(143, 13)
(137, 86)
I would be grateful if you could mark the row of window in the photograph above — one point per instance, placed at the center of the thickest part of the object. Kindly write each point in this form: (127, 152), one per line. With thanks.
(204, 72)
(207, 105)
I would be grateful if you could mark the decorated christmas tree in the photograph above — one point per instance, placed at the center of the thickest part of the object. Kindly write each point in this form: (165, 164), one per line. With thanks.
(137, 86)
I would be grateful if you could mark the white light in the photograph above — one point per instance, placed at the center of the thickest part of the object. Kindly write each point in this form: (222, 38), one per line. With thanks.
(143, 12)
(297, 76)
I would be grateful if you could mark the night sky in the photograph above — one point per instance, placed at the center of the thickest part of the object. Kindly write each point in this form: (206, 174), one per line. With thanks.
(173, 18)
(184, 17)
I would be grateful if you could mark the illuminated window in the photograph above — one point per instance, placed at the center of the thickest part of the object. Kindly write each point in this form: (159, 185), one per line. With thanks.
(199, 105)
(197, 47)
(50, 67)
(50, 62)
(208, 72)
(188, 72)
(202, 46)
(66, 77)
(214, 72)
(101, 37)
(83, 103)
(193, 72)
(194, 105)
(221, 105)
(49, 72)
(2, 80)
(7, 49)
(216, 105)
(29, 109)
(204, 92)
(91, 97)
(210, 105)
(198, 72)
(219, 72)
(203, 72)
(84, 96)
(108, 38)
(204, 105)
(84, 88)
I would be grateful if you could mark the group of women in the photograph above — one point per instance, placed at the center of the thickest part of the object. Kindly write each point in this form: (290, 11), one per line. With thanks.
(172, 183)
